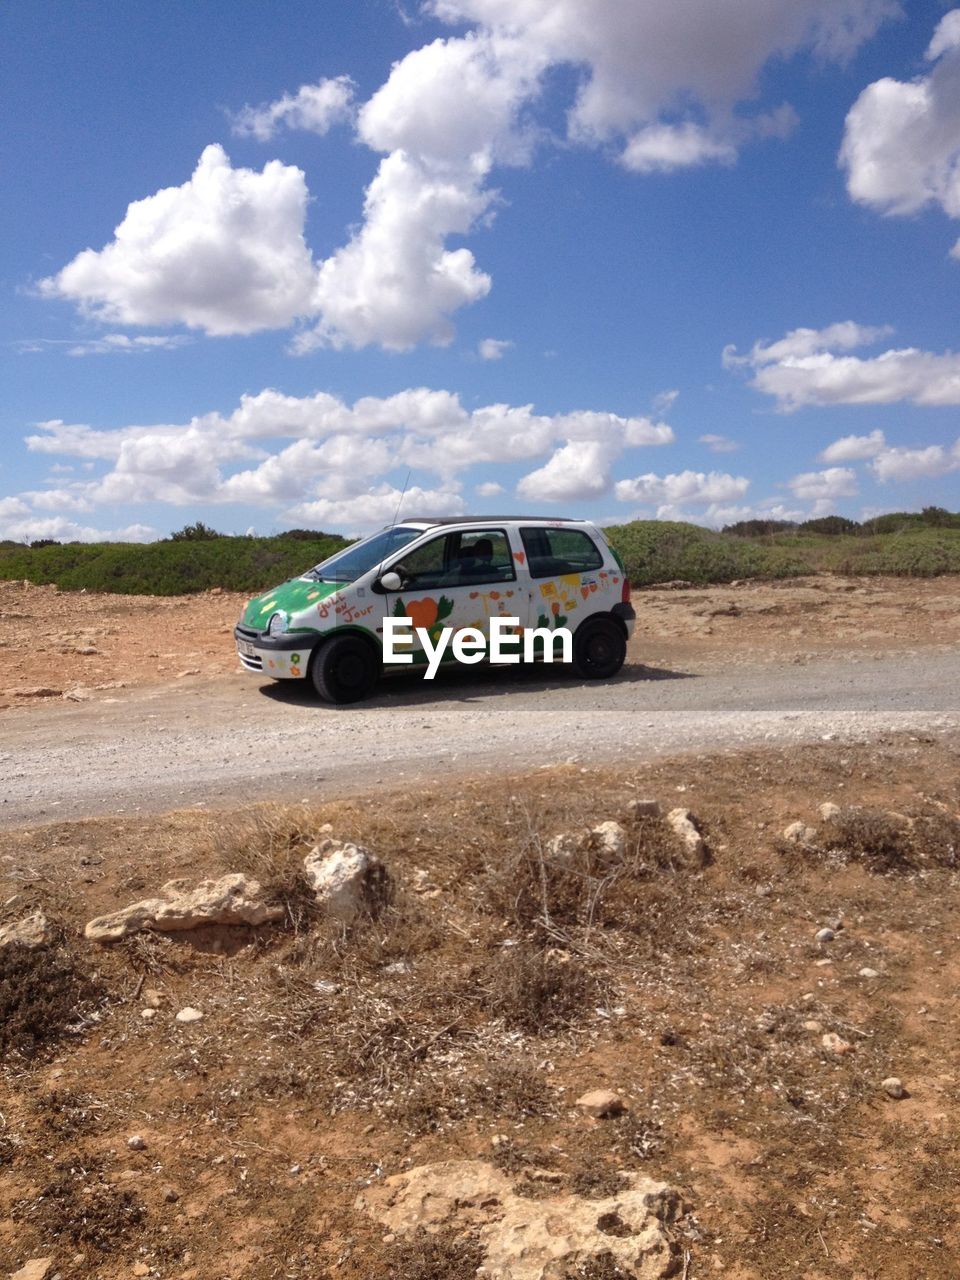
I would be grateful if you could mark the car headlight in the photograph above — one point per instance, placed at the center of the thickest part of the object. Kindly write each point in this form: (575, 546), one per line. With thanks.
(277, 624)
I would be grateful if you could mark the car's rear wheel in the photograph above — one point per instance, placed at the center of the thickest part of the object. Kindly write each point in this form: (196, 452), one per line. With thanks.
(345, 669)
(599, 649)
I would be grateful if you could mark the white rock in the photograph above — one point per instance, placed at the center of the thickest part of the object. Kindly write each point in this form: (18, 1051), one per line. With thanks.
(825, 935)
(893, 1086)
(836, 1044)
(829, 811)
(136, 1143)
(189, 1014)
(531, 1239)
(601, 1103)
(799, 833)
(869, 973)
(32, 931)
(343, 876)
(684, 825)
(148, 1014)
(35, 1269)
(561, 849)
(233, 899)
(610, 840)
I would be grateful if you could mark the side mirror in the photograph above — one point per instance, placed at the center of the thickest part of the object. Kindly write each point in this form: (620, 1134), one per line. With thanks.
(391, 581)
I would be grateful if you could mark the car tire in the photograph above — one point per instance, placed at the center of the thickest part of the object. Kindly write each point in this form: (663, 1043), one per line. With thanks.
(344, 670)
(599, 649)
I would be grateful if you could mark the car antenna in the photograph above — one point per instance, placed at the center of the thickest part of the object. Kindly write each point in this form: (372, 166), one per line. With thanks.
(396, 517)
(403, 493)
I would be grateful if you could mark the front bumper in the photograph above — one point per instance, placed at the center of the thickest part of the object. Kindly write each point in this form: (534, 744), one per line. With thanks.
(283, 657)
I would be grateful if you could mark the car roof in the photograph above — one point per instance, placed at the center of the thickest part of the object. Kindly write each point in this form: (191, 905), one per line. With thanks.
(485, 520)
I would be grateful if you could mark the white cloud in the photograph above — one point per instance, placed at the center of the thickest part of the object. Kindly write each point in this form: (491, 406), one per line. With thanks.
(27, 528)
(659, 87)
(801, 370)
(224, 253)
(380, 506)
(664, 401)
(901, 144)
(659, 148)
(75, 500)
(11, 508)
(914, 464)
(718, 444)
(489, 489)
(817, 486)
(395, 284)
(683, 487)
(642, 62)
(578, 470)
(298, 452)
(109, 344)
(315, 108)
(493, 348)
(854, 448)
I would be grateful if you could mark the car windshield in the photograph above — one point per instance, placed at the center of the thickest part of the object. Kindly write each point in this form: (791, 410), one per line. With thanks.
(355, 561)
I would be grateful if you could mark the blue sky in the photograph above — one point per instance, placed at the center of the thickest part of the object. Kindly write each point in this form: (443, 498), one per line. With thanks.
(611, 258)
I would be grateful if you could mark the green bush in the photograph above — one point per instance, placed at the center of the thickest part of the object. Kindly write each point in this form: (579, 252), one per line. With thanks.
(173, 567)
(652, 551)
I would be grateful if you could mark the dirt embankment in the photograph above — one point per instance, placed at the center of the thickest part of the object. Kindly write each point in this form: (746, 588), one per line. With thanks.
(464, 1019)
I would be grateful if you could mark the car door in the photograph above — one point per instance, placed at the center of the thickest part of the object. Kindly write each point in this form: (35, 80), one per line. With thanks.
(568, 578)
(460, 578)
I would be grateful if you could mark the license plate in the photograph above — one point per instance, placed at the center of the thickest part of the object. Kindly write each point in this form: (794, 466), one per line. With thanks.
(246, 648)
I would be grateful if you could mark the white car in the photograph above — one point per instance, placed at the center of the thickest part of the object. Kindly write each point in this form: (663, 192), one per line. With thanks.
(458, 572)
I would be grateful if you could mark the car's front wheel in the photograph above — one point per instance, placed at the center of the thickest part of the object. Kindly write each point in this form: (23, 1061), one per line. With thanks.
(344, 669)
(599, 649)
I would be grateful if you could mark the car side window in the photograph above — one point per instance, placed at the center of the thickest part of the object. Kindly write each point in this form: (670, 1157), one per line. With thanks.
(425, 567)
(555, 551)
(478, 556)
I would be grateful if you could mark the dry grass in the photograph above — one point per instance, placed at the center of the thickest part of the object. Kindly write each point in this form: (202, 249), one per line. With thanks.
(886, 843)
(538, 991)
(269, 844)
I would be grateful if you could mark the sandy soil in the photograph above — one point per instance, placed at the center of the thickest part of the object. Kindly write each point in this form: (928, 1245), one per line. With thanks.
(327, 1060)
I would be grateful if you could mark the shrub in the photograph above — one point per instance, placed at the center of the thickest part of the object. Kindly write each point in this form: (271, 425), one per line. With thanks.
(198, 532)
(832, 526)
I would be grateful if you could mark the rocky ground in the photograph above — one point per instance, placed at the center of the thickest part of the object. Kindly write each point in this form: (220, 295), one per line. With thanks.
(493, 978)
(766, 990)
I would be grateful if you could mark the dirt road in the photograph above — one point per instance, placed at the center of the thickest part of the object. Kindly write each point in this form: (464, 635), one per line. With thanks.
(213, 741)
(143, 707)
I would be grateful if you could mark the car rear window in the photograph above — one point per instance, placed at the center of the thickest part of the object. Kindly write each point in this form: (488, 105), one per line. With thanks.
(554, 551)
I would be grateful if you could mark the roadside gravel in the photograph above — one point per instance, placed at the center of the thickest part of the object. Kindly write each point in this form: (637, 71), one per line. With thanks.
(214, 741)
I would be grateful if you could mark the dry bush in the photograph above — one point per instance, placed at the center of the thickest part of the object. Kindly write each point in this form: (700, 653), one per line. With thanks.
(583, 888)
(869, 836)
(538, 991)
(936, 840)
(42, 994)
(433, 1257)
(269, 844)
(887, 843)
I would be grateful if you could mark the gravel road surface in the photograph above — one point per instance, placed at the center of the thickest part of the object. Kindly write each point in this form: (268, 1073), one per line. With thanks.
(218, 741)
